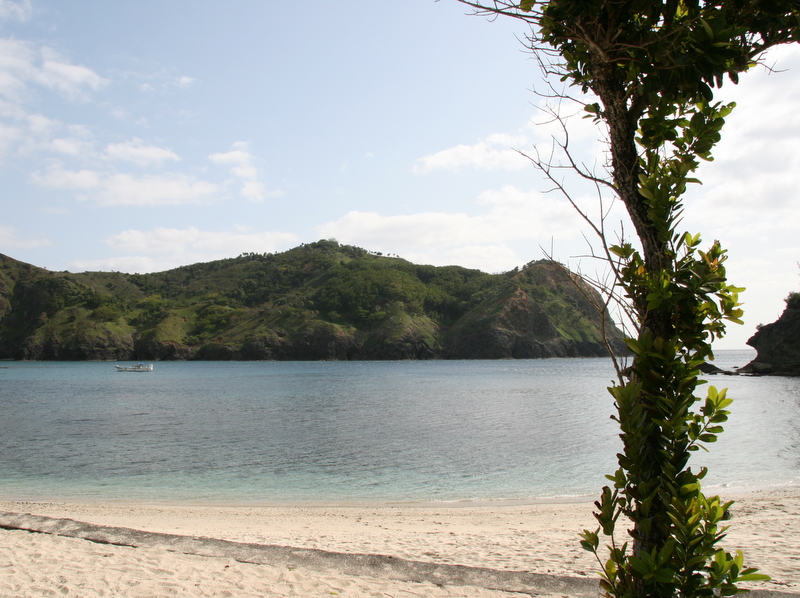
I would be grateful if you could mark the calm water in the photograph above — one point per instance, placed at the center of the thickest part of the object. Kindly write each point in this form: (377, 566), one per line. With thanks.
(268, 432)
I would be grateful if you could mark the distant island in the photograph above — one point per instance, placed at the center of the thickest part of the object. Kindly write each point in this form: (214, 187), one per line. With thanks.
(318, 301)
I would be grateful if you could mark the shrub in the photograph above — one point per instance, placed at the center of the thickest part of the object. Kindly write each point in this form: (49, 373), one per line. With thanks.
(793, 301)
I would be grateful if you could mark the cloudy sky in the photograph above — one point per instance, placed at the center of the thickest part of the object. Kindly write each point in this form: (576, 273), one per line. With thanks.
(140, 136)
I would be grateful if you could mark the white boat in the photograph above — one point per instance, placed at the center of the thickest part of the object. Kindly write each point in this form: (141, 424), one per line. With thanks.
(139, 367)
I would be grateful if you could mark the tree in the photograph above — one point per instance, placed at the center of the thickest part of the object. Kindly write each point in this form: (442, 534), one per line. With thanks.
(650, 69)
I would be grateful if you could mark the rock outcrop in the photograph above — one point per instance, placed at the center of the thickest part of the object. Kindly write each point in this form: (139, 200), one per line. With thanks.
(160, 351)
(778, 344)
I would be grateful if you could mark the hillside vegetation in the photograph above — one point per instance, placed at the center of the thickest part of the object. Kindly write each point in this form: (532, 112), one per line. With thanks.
(319, 301)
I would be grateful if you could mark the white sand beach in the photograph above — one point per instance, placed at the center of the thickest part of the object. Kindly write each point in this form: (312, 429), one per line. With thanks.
(459, 549)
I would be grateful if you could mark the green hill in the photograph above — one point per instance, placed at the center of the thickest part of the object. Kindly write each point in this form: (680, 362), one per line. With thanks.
(319, 301)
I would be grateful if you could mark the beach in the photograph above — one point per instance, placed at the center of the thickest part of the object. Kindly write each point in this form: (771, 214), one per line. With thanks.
(438, 550)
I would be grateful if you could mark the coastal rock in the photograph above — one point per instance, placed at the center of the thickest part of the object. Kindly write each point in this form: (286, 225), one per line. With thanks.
(400, 343)
(778, 344)
(161, 351)
(710, 368)
(51, 346)
(319, 343)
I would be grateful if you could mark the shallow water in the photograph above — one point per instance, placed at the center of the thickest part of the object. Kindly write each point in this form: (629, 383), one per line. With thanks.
(272, 432)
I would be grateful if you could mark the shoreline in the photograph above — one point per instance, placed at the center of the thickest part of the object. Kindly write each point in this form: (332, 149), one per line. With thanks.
(537, 538)
(307, 504)
(729, 491)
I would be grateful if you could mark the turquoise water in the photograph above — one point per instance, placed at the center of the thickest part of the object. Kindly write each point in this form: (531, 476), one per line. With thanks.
(330, 432)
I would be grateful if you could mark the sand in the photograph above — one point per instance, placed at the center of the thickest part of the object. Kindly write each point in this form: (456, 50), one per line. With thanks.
(402, 550)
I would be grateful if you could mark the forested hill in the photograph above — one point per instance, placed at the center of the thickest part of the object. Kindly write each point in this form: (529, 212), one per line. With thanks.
(319, 301)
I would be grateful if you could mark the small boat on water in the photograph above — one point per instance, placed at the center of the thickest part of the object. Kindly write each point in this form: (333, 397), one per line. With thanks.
(139, 367)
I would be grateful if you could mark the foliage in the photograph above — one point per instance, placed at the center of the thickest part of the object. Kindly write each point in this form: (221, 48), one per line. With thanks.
(793, 301)
(260, 299)
(575, 317)
(652, 66)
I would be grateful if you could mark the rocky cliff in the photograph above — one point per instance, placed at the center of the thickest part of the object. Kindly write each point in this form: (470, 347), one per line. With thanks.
(778, 344)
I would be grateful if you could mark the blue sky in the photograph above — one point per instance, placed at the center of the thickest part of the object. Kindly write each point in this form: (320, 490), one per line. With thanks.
(142, 136)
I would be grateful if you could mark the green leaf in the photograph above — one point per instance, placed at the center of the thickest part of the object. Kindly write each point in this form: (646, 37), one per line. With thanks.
(641, 565)
(623, 251)
(611, 568)
(590, 540)
(634, 346)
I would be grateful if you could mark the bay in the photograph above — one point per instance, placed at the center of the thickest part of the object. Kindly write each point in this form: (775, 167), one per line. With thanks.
(343, 432)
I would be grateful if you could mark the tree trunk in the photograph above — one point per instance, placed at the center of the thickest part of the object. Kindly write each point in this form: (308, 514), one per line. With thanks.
(622, 117)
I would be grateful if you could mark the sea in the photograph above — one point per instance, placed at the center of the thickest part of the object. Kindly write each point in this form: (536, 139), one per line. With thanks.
(363, 432)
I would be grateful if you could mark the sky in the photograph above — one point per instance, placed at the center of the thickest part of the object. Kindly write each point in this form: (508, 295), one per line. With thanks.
(142, 136)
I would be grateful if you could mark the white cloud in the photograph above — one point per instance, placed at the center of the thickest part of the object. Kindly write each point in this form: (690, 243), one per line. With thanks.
(240, 163)
(164, 248)
(42, 134)
(504, 152)
(154, 81)
(158, 241)
(505, 217)
(757, 161)
(492, 257)
(70, 146)
(17, 68)
(15, 11)
(125, 189)
(512, 214)
(25, 68)
(496, 152)
(9, 238)
(139, 153)
(151, 190)
(184, 81)
(70, 80)
(750, 199)
(23, 65)
(9, 135)
(59, 178)
(40, 124)
(234, 157)
(426, 229)
(172, 240)
(133, 265)
(121, 113)
(253, 191)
